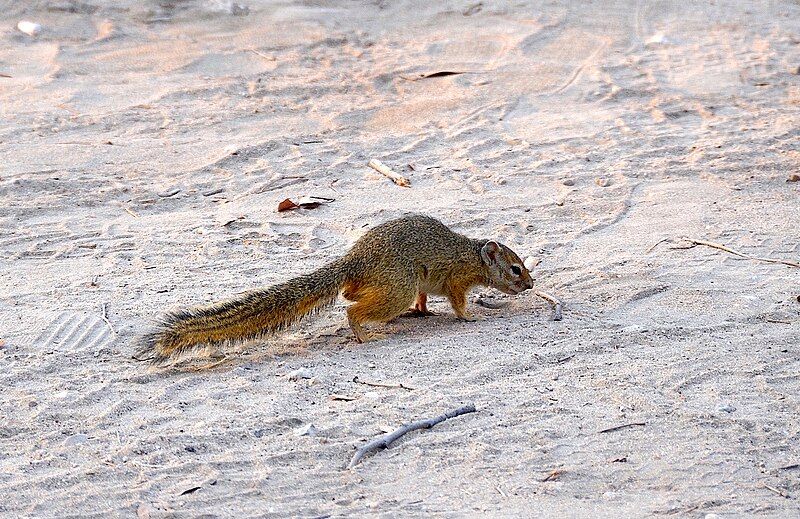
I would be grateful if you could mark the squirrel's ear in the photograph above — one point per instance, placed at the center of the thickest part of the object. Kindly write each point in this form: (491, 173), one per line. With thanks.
(489, 252)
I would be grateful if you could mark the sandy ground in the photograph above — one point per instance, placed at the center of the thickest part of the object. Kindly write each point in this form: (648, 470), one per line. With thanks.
(145, 147)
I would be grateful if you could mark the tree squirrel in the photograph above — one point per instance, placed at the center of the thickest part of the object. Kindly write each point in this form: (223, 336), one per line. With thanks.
(391, 267)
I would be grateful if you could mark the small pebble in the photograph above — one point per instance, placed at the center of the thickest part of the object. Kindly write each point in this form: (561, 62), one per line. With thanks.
(602, 181)
(213, 191)
(239, 9)
(726, 408)
(29, 28)
(568, 182)
(300, 374)
(658, 38)
(76, 439)
(530, 262)
(306, 430)
(169, 193)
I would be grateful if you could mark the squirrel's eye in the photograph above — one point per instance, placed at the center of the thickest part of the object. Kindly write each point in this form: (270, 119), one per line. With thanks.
(516, 270)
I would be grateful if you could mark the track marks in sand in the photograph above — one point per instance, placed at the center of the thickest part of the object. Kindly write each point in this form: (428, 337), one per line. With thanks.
(51, 241)
(76, 332)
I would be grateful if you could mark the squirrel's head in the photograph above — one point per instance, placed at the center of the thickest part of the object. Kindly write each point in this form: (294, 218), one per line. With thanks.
(507, 272)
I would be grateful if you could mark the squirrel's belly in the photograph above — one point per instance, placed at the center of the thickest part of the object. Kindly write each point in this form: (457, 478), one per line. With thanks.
(431, 288)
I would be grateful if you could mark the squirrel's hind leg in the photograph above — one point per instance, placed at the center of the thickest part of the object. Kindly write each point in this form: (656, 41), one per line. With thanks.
(377, 304)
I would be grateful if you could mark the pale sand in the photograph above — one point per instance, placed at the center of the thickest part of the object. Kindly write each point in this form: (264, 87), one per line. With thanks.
(690, 113)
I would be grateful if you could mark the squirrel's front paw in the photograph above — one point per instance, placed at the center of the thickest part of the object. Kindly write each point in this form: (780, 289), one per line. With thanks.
(468, 318)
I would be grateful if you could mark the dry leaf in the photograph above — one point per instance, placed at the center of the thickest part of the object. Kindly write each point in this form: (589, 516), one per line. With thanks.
(793, 178)
(286, 205)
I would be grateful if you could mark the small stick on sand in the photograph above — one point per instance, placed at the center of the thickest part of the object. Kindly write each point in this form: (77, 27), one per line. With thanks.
(382, 384)
(618, 427)
(386, 171)
(554, 475)
(344, 398)
(723, 248)
(268, 58)
(656, 244)
(104, 317)
(777, 491)
(386, 440)
(558, 305)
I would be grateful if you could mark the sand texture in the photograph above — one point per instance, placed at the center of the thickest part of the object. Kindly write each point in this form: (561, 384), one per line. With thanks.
(146, 145)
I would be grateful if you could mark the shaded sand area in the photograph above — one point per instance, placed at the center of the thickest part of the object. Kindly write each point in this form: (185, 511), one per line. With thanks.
(146, 146)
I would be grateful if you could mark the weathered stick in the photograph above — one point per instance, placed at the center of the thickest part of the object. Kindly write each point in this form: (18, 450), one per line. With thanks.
(382, 384)
(386, 171)
(745, 256)
(723, 248)
(104, 317)
(618, 427)
(386, 440)
(558, 305)
(777, 491)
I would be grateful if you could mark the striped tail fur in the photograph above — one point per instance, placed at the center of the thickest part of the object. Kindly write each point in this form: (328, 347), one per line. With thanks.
(249, 316)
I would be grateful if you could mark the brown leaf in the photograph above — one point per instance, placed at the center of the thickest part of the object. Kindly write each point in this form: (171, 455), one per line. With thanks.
(793, 178)
(287, 205)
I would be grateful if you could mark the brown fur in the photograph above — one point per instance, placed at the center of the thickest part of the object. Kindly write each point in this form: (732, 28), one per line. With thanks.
(393, 266)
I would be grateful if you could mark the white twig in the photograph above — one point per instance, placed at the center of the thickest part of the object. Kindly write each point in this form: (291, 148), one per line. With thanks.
(558, 305)
(694, 242)
(386, 171)
(104, 317)
(386, 440)
(721, 247)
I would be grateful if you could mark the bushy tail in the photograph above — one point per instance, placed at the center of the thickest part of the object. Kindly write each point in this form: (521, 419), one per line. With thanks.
(249, 316)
